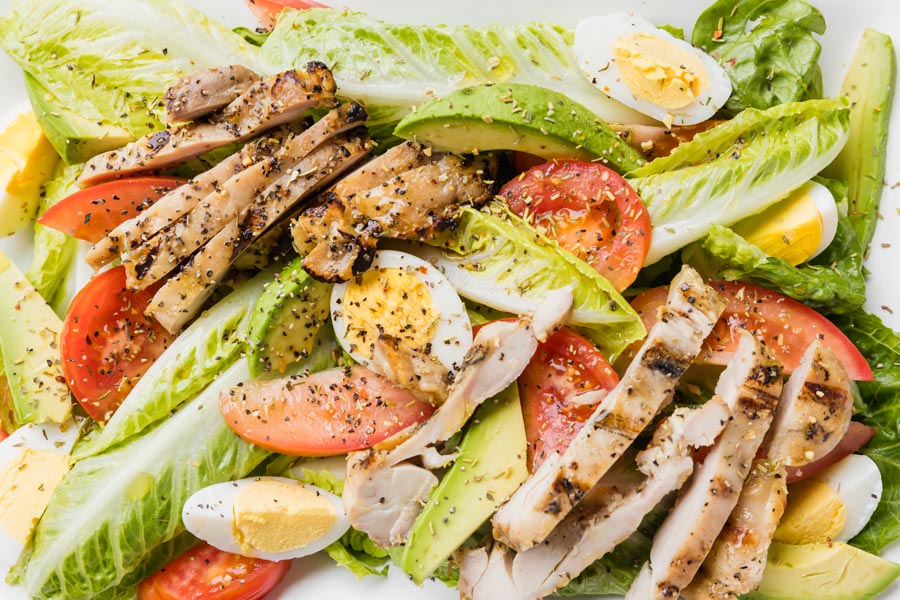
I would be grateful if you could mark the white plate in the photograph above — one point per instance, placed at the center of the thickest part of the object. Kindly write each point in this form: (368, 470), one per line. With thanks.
(316, 576)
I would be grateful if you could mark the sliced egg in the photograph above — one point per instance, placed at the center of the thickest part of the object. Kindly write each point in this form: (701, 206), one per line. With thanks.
(649, 69)
(273, 518)
(797, 228)
(832, 505)
(406, 299)
(33, 460)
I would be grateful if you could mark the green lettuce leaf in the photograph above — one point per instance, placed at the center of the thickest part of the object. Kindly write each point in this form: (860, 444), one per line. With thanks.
(837, 288)
(881, 347)
(766, 47)
(54, 251)
(113, 68)
(395, 67)
(194, 359)
(358, 563)
(496, 259)
(737, 169)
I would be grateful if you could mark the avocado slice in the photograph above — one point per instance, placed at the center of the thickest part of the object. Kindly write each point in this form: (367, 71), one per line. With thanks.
(835, 571)
(869, 83)
(29, 344)
(286, 319)
(519, 117)
(490, 467)
(74, 138)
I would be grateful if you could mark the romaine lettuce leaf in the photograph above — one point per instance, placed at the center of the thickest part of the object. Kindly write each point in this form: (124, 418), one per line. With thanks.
(395, 67)
(737, 169)
(766, 47)
(113, 68)
(194, 359)
(496, 259)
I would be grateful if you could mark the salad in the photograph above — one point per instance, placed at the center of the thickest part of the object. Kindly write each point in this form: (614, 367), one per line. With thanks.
(460, 305)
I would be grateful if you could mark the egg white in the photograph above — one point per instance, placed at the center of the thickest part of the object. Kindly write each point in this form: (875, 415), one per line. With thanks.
(857, 482)
(209, 515)
(46, 436)
(827, 207)
(594, 39)
(452, 336)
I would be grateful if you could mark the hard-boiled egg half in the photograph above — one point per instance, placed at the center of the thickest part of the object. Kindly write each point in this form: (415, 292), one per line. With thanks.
(649, 69)
(273, 518)
(406, 299)
(797, 228)
(33, 460)
(832, 505)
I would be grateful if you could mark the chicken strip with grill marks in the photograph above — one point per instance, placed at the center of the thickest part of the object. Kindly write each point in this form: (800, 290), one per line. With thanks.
(384, 490)
(161, 254)
(182, 296)
(274, 101)
(647, 385)
(339, 236)
(203, 92)
(702, 509)
(813, 415)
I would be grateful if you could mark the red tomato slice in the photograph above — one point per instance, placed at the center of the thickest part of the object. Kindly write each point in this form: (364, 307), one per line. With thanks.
(205, 573)
(327, 413)
(91, 213)
(857, 436)
(590, 210)
(266, 11)
(565, 365)
(107, 343)
(786, 326)
(6, 408)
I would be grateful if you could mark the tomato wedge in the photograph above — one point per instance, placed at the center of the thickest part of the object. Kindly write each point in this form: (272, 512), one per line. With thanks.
(107, 343)
(205, 573)
(563, 366)
(324, 414)
(91, 213)
(590, 210)
(857, 437)
(786, 326)
(266, 11)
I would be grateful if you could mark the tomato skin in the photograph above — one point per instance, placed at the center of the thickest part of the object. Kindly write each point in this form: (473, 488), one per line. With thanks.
(590, 210)
(91, 213)
(107, 343)
(786, 326)
(205, 573)
(266, 11)
(324, 414)
(857, 436)
(564, 365)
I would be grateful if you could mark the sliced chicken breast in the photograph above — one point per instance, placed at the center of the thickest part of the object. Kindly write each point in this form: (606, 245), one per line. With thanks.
(648, 384)
(161, 254)
(384, 504)
(687, 535)
(203, 92)
(182, 296)
(274, 101)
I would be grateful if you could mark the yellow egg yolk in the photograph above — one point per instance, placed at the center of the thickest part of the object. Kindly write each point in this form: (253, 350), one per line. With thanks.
(391, 302)
(790, 229)
(275, 516)
(27, 161)
(25, 489)
(659, 72)
(814, 514)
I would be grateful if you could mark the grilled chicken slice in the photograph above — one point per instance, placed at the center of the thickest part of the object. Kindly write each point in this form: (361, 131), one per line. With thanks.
(274, 101)
(383, 491)
(182, 296)
(590, 532)
(648, 384)
(687, 535)
(424, 376)
(813, 415)
(339, 236)
(130, 234)
(203, 92)
(160, 255)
